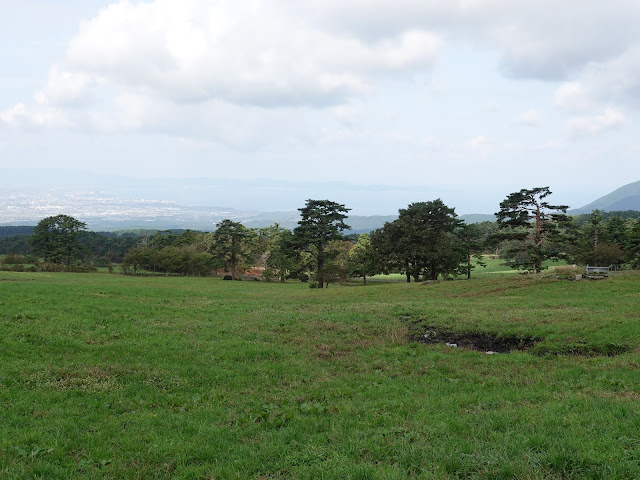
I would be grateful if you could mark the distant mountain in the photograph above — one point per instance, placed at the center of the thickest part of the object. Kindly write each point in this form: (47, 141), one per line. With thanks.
(477, 218)
(624, 198)
(358, 223)
(15, 230)
(289, 220)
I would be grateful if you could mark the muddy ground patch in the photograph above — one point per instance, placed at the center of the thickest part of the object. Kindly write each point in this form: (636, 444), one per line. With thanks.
(481, 341)
(421, 332)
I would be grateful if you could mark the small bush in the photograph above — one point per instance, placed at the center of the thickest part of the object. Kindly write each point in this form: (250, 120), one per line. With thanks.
(13, 259)
(227, 277)
(57, 268)
(268, 274)
(101, 262)
(303, 277)
(568, 273)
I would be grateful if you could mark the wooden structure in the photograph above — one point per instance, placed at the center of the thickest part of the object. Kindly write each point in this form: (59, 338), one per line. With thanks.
(596, 273)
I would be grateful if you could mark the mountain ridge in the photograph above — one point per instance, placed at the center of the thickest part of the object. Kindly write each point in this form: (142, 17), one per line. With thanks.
(626, 197)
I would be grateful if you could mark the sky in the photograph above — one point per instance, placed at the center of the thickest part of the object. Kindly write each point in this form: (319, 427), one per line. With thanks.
(261, 104)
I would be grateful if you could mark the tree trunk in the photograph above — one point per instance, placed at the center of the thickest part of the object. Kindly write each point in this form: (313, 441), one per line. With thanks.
(364, 279)
(233, 258)
(320, 266)
(538, 225)
(468, 267)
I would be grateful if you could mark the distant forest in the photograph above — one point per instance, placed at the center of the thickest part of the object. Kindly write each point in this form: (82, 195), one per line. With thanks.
(407, 245)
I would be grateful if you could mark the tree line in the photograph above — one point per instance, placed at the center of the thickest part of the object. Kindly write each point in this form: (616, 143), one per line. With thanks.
(426, 242)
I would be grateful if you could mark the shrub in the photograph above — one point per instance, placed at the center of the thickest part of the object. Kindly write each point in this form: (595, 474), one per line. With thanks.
(101, 262)
(13, 259)
(56, 268)
(567, 273)
(268, 274)
(227, 277)
(303, 277)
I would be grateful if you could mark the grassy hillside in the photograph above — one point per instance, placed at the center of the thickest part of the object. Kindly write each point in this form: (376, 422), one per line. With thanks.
(105, 376)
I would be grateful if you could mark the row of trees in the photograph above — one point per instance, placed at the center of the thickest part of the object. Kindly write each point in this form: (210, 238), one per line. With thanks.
(426, 241)
(604, 239)
(532, 230)
(63, 239)
(232, 246)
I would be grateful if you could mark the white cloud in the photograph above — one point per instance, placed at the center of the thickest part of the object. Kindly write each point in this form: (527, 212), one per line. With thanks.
(175, 66)
(21, 116)
(134, 62)
(65, 88)
(529, 118)
(245, 53)
(591, 125)
(479, 143)
(537, 38)
(572, 96)
(598, 96)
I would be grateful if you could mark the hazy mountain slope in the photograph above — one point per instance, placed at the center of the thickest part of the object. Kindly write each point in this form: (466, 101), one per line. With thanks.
(626, 197)
(289, 220)
(358, 223)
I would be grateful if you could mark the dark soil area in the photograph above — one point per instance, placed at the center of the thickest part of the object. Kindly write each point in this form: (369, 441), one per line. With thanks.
(494, 343)
(481, 341)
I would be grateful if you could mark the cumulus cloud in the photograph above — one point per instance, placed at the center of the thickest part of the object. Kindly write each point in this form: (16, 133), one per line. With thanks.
(572, 96)
(591, 125)
(616, 80)
(21, 115)
(244, 53)
(165, 64)
(257, 54)
(598, 95)
(536, 38)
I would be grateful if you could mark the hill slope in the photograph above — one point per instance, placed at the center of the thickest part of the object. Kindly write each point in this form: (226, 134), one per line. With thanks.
(626, 197)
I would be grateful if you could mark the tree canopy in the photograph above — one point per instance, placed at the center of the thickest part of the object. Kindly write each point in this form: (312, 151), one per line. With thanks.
(321, 222)
(420, 242)
(229, 244)
(56, 239)
(533, 226)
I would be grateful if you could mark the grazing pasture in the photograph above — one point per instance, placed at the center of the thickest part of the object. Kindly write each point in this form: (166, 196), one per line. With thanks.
(108, 376)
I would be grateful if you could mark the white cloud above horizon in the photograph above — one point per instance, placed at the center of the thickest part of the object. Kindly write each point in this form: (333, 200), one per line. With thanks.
(369, 92)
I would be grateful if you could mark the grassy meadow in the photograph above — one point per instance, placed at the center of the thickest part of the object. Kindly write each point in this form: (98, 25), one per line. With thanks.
(109, 376)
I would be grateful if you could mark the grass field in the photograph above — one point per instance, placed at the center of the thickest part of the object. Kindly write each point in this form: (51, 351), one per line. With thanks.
(107, 376)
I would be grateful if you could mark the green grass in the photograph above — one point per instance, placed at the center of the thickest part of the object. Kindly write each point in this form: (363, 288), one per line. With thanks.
(107, 376)
(493, 265)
